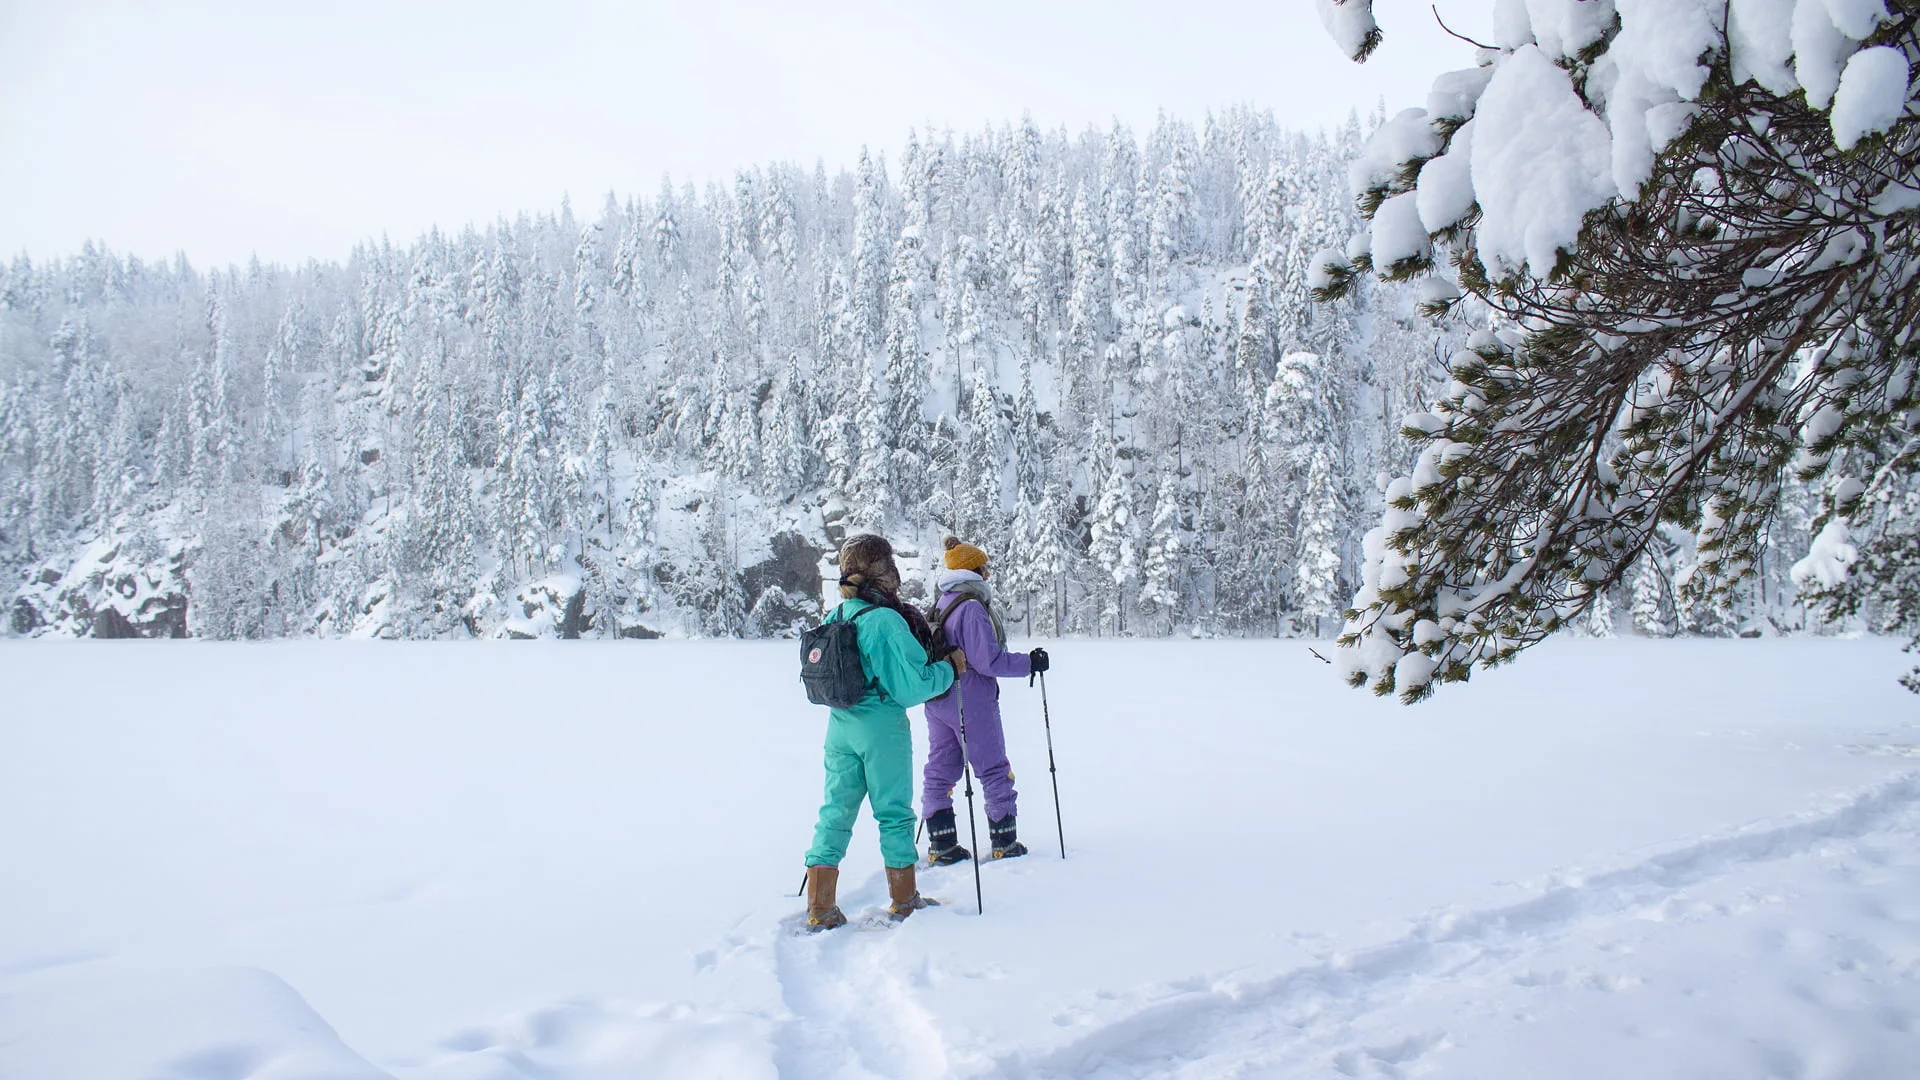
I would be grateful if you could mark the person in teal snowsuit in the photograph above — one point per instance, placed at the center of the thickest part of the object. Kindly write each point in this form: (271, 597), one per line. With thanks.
(869, 748)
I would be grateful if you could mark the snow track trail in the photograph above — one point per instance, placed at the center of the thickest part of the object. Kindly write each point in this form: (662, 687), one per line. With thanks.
(1307, 1019)
(856, 1014)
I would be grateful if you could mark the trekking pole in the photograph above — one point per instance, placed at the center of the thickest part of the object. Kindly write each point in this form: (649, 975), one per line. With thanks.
(966, 770)
(1052, 770)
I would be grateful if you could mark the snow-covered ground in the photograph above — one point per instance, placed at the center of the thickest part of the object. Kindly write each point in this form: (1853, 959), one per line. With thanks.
(575, 860)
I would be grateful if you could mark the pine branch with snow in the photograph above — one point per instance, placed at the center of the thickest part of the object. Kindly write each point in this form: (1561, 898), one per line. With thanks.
(1699, 240)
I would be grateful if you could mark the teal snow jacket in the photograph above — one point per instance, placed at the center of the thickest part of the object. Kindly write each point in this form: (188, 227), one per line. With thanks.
(895, 661)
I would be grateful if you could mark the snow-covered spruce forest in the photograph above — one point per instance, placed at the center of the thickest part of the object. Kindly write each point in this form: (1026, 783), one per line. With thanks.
(1092, 354)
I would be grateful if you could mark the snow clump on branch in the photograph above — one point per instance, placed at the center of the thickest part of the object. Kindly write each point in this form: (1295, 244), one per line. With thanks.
(1872, 95)
(1351, 24)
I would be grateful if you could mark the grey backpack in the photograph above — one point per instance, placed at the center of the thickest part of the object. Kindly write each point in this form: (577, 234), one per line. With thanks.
(830, 663)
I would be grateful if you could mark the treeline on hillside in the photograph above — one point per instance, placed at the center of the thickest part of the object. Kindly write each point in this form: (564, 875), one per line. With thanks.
(1093, 355)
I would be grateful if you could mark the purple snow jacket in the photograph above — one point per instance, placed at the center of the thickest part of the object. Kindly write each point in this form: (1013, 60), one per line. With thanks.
(969, 627)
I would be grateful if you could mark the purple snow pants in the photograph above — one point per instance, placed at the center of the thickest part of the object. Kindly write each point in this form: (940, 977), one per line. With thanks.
(986, 749)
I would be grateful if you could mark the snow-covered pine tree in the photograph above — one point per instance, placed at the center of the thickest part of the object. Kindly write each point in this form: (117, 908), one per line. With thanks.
(1316, 567)
(719, 600)
(779, 237)
(1659, 260)
(624, 276)
(1017, 574)
(1115, 534)
(1126, 247)
(588, 288)
(211, 443)
(1030, 463)
(867, 300)
(1600, 617)
(979, 515)
(1050, 549)
(117, 472)
(1086, 320)
(1651, 609)
(737, 448)
(906, 378)
(1171, 227)
(789, 451)
(442, 525)
(1255, 564)
(666, 227)
(870, 484)
(1164, 569)
(282, 356)
(525, 493)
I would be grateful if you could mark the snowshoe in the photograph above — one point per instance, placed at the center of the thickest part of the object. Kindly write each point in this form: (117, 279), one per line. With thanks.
(831, 919)
(899, 913)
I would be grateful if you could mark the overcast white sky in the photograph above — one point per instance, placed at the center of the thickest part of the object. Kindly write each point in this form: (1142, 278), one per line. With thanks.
(295, 130)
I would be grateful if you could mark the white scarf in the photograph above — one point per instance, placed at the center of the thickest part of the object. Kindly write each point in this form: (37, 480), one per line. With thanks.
(949, 579)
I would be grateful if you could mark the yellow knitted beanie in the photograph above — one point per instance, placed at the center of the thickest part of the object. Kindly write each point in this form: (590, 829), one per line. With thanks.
(964, 556)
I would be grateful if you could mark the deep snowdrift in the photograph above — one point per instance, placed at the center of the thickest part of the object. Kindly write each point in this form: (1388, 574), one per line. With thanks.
(492, 862)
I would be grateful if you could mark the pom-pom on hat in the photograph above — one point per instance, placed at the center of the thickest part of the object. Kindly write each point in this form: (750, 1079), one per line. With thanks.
(964, 556)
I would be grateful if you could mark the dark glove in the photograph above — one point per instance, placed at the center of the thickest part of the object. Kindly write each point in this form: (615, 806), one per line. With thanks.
(1039, 659)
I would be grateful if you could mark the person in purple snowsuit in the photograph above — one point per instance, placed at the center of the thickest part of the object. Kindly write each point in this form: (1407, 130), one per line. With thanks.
(963, 615)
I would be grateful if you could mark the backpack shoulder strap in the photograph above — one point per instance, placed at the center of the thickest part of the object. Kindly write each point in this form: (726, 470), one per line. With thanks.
(834, 616)
(873, 682)
(939, 621)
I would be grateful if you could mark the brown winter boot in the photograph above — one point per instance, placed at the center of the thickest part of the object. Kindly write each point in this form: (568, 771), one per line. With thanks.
(904, 894)
(822, 912)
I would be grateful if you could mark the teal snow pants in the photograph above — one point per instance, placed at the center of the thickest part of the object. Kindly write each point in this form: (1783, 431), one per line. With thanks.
(869, 756)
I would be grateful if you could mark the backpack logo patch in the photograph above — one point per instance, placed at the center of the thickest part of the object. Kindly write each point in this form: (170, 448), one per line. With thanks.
(813, 657)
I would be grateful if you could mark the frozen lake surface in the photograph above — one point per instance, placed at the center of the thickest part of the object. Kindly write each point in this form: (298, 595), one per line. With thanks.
(576, 860)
